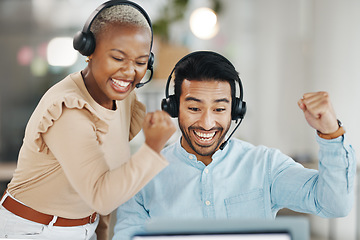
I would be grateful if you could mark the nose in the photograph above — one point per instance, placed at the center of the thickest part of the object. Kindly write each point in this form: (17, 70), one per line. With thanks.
(207, 120)
(128, 67)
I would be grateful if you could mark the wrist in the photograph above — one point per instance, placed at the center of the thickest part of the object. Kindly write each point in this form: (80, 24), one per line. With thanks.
(339, 132)
(153, 146)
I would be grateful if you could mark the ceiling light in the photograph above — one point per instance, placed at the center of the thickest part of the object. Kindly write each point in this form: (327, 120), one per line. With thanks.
(203, 23)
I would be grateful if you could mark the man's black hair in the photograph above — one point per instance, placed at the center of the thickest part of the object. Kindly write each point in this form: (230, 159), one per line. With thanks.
(205, 67)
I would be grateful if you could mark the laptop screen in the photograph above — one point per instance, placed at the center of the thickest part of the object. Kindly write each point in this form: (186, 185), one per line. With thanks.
(218, 236)
(282, 228)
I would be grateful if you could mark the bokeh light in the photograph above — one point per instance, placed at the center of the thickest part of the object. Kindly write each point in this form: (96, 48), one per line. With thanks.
(203, 23)
(25, 56)
(60, 52)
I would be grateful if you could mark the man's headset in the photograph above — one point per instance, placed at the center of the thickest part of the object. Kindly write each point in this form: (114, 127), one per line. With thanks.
(238, 108)
(84, 41)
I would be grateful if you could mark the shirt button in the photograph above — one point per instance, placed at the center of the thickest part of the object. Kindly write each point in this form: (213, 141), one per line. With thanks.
(191, 157)
(206, 170)
(207, 203)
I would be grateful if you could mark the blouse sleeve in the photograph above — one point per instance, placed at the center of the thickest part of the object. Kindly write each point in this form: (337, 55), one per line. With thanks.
(74, 142)
(137, 117)
(52, 113)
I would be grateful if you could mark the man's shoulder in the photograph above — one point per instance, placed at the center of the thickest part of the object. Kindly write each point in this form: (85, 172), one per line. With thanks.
(170, 149)
(238, 143)
(241, 146)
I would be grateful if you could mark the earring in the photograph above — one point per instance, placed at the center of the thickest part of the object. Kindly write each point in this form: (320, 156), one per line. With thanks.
(87, 59)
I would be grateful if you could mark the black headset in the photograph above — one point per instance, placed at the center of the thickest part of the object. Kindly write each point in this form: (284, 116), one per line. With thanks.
(84, 41)
(238, 108)
(170, 104)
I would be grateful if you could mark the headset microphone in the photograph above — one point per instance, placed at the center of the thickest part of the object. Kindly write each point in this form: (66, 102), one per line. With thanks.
(139, 85)
(223, 145)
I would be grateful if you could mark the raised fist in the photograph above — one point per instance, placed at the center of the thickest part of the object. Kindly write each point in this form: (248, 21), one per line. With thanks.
(158, 128)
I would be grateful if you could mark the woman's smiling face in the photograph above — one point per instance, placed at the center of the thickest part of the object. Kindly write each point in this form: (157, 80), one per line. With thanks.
(118, 63)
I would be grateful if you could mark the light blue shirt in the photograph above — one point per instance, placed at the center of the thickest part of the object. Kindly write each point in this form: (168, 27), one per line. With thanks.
(243, 181)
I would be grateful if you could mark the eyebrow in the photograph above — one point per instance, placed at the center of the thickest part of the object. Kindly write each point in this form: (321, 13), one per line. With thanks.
(198, 100)
(222, 100)
(122, 52)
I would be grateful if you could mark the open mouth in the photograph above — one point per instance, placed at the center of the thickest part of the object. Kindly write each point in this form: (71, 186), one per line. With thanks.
(120, 85)
(205, 137)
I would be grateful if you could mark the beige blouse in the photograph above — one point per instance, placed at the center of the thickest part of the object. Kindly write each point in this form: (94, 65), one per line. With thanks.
(75, 158)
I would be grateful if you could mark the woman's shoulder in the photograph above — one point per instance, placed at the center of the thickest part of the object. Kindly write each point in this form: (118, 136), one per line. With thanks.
(67, 86)
(65, 94)
(70, 92)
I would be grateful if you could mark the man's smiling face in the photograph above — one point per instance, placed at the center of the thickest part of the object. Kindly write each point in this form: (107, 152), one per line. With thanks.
(204, 116)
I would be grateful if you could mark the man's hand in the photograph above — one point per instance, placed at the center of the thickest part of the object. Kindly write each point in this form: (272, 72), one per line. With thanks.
(319, 112)
(158, 128)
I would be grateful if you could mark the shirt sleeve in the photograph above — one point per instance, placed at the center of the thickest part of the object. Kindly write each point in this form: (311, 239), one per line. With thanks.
(130, 218)
(73, 141)
(327, 192)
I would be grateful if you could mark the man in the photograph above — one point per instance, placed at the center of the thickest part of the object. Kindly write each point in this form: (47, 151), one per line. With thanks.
(206, 179)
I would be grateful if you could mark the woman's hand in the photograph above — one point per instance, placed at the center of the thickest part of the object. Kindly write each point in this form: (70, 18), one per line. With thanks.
(158, 128)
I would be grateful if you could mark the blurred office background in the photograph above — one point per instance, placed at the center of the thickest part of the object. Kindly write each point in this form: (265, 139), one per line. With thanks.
(281, 49)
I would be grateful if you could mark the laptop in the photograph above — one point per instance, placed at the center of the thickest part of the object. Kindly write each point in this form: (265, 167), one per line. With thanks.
(282, 228)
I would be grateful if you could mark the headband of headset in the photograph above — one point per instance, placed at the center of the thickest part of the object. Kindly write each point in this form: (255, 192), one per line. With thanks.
(170, 104)
(84, 40)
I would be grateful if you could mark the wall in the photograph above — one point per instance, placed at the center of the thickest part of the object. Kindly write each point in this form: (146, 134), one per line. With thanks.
(283, 49)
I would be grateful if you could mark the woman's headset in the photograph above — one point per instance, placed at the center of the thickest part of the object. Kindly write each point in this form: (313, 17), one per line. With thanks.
(84, 41)
(170, 104)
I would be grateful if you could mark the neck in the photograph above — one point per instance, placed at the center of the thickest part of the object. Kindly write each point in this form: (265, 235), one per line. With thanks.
(92, 87)
(204, 159)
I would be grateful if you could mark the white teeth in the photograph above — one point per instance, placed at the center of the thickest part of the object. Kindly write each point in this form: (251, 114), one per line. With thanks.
(120, 83)
(205, 136)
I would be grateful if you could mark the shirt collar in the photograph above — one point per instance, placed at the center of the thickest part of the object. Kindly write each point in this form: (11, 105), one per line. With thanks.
(191, 158)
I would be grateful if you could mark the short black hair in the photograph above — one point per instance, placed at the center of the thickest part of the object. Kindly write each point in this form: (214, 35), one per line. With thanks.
(205, 66)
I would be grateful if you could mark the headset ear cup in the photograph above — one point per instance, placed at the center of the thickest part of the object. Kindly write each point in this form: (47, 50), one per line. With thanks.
(79, 41)
(84, 43)
(170, 106)
(151, 61)
(242, 110)
(238, 110)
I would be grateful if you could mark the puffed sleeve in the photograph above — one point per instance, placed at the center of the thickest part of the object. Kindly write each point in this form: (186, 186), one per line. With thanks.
(86, 169)
(137, 117)
(52, 113)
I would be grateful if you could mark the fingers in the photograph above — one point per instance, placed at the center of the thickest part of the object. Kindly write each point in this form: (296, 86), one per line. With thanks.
(318, 111)
(316, 103)
(158, 128)
(148, 119)
(157, 117)
(302, 105)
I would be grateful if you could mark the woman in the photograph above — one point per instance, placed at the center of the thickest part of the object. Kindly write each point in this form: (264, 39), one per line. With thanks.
(75, 161)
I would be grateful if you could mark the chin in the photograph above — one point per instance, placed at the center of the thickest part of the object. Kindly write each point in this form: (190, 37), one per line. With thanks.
(205, 151)
(122, 96)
